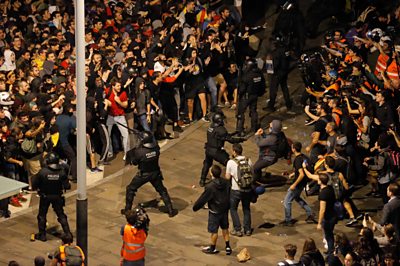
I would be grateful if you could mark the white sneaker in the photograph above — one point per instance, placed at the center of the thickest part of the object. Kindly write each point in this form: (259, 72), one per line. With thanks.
(233, 107)
(124, 157)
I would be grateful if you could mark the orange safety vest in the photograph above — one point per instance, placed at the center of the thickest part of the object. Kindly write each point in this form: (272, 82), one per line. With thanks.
(381, 63)
(392, 70)
(63, 256)
(133, 245)
(336, 118)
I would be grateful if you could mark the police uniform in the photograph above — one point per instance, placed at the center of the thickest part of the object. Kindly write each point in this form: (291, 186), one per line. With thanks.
(281, 61)
(252, 85)
(216, 137)
(146, 158)
(50, 183)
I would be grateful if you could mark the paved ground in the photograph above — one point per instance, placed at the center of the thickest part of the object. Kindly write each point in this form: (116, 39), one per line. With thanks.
(176, 241)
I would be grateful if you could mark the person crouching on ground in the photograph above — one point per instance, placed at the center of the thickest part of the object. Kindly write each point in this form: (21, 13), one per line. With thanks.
(216, 194)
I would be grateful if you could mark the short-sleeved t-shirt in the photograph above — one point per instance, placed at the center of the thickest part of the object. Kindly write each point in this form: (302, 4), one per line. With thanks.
(320, 125)
(232, 168)
(297, 165)
(327, 194)
(115, 108)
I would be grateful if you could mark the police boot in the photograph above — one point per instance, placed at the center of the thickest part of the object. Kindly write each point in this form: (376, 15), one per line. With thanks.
(202, 182)
(65, 226)
(168, 204)
(41, 237)
(128, 201)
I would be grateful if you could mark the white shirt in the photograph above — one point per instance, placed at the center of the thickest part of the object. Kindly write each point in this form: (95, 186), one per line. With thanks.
(232, 167)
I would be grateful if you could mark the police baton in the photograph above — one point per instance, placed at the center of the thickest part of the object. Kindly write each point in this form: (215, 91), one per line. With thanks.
(132, 130)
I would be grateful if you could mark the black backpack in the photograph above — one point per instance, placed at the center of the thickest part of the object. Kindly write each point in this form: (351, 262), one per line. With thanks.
(282, 146)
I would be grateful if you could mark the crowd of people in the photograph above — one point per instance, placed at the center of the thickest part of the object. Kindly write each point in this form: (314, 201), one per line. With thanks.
(148, 64)
(155, 63)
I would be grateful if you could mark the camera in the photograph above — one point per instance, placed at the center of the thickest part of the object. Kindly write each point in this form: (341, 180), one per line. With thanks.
(374, 34)
(142, 219)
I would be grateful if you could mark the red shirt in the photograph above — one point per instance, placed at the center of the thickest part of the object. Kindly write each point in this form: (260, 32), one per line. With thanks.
(115, 109)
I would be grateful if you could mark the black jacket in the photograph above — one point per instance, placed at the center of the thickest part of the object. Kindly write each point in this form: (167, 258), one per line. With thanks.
(216, 194)
(51, 181)
(391, 214)
(217, 135)
(312, 256)
(145, 158)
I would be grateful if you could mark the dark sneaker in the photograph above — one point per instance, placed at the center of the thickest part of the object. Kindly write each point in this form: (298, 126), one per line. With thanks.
(248, 232)
(177, 128)
(236, 233)
(5, 214)
(228, 251)
(351, 222)
(95, 170)
(209, 250)
(269, 109)
(40, 237)
(202, 183)
(311, 220)
(172, 213)
(288, 223)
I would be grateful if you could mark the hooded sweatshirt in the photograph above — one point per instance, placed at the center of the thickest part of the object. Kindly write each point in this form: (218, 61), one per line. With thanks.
(216, 194)
(142, 97)
(9, 61)
(267, 142)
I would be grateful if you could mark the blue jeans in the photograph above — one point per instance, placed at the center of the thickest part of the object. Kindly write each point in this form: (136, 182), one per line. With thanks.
(143, 122)
(287, 203)
(244, 197)
(210, 84)
(328, 226)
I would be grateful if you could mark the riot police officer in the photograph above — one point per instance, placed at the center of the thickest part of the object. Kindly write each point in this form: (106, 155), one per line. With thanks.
(216, 137)
(146, 157)
(252, 85)
(50, 182)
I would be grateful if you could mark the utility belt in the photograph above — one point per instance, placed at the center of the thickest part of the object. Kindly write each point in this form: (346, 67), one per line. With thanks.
(208, 147)
(145, 174)
(50, 195)
(53, 197)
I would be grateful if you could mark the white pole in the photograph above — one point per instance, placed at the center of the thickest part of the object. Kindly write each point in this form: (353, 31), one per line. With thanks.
(81, 203)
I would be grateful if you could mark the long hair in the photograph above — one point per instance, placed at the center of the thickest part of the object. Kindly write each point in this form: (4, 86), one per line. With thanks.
(309, 246)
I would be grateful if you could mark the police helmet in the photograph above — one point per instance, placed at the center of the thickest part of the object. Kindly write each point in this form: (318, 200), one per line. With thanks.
(52, 160)
(148, 140)
(250, 64)
(218, 118)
